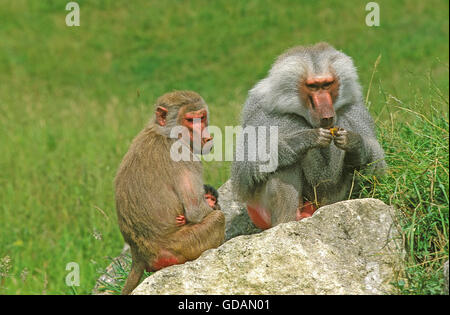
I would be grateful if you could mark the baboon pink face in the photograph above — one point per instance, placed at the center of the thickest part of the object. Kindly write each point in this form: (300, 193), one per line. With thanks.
(196, 122)
(319, 93)
(211, 200)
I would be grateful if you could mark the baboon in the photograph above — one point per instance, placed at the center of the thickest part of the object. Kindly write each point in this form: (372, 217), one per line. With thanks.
(308, 91)
(212, 197)
(161, 208)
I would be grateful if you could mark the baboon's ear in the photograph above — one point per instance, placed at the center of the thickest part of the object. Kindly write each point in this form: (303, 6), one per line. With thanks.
(161, 114)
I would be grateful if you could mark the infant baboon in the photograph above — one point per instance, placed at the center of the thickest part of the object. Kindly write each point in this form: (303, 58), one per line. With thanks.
(212, 197)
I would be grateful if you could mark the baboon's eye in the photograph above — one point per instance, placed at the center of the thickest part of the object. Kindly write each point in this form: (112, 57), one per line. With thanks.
(327, 85)
(312, 86)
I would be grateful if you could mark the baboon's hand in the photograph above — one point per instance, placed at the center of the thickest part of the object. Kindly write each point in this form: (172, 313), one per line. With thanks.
(347, 140)
(324, 137)
(181, 220)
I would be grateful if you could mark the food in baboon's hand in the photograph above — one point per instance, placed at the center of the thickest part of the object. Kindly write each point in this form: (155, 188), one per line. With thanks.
(333, 131)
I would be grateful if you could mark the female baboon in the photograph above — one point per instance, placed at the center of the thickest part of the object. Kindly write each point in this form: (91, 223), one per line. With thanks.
(160, 203)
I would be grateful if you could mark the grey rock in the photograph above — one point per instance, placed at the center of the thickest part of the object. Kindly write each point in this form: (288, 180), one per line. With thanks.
(110, 275)
(446, 277)
(351, 247)
(237, 221)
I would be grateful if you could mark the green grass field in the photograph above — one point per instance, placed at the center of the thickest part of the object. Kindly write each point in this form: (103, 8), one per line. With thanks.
(73, 98)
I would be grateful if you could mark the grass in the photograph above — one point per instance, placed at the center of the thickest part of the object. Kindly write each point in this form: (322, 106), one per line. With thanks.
(417, 184)
(72, 99)
(115, 275)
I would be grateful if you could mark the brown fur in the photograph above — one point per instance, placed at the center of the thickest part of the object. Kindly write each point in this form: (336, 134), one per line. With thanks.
(152, 190)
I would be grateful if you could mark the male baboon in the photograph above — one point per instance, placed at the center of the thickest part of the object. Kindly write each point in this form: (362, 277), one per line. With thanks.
(308, 91)
(161, 208)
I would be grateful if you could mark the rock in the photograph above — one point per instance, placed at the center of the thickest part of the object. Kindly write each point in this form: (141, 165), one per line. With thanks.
(237, 221)
(351, 247)
(111, 276)
(446, 277)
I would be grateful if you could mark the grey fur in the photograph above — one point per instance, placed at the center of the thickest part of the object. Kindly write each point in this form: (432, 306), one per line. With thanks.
(306, 167)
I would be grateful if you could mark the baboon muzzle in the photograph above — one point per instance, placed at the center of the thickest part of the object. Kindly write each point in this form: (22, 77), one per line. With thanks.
(323, 104)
